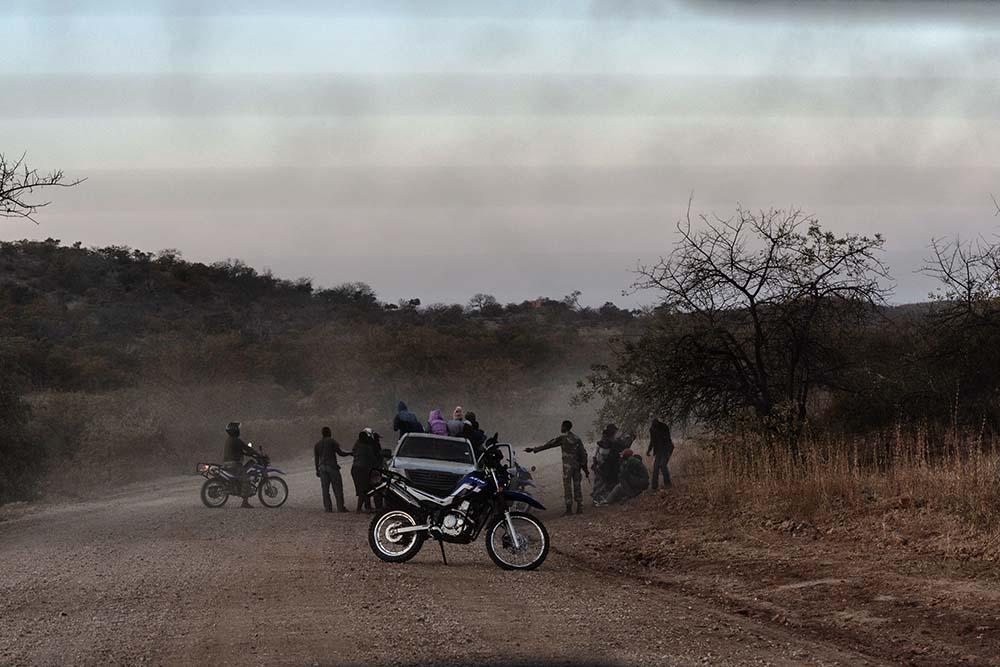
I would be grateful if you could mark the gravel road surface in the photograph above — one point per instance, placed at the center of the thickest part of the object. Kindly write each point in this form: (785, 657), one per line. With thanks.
(150, 576)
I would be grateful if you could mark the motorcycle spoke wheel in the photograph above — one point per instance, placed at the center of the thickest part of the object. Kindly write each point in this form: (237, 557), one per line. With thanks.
(214, 493)
(389, 545)
(273, 492)
(526, 552)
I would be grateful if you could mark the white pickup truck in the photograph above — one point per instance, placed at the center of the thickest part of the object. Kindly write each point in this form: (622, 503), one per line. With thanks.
(436, 463)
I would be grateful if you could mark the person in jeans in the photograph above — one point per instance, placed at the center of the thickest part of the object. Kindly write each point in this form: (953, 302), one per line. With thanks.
(661, 446)
(325, 453)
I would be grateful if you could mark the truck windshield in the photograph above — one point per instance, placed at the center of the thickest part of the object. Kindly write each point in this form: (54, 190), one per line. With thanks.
(416, 447)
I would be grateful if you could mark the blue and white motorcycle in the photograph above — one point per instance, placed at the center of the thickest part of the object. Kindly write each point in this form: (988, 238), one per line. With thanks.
(480, 503)
(262, 479)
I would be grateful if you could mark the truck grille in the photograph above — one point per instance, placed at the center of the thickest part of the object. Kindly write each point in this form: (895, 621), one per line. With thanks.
(441, 483)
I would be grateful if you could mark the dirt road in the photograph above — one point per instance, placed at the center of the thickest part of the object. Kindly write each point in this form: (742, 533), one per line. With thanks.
(150, 576)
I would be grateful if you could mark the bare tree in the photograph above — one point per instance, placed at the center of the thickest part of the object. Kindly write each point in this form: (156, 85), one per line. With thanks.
(753, 308)
(19, 184)
(968, 274)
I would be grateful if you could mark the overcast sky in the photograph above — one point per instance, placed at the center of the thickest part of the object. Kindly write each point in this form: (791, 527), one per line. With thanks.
(437, 149)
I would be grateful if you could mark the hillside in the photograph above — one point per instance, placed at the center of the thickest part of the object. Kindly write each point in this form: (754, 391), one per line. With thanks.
(132, 362)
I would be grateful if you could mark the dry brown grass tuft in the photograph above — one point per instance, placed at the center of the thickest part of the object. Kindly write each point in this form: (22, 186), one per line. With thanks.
(956, 474)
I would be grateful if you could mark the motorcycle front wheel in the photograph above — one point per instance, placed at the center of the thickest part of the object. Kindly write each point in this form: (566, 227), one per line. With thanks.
(390, 546)
(214, 493)
(525, 550)
(273, 492)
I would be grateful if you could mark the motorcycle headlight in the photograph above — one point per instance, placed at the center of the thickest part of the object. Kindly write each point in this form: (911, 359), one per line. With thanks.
(203, 467)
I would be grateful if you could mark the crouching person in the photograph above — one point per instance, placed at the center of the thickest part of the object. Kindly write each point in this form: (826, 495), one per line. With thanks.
(633, 479)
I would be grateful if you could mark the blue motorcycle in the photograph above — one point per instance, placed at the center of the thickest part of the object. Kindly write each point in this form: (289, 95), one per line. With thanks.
(261, 479)
(480, 503)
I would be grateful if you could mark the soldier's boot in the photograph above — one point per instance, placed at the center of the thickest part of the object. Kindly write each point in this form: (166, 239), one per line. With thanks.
(569, 509)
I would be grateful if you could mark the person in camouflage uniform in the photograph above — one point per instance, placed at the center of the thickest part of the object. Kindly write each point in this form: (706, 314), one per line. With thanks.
(574, 461)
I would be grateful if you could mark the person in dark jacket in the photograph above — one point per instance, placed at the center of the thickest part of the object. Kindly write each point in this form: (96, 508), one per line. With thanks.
(661, 447)
(376, 441)
(633, 479)
(325, 453)
(475, 434)
(361, 470)
(405, 421)
(232, 459)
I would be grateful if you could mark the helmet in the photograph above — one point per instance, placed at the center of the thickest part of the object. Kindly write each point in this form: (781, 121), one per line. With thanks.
(233, 428)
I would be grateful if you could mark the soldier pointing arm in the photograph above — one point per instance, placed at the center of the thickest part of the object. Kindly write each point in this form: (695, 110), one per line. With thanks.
(574, 460)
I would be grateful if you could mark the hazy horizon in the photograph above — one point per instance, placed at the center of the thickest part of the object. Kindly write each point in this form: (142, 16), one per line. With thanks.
(440, 149)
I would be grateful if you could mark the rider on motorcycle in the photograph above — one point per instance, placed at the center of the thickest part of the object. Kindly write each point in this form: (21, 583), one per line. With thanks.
(232, 459)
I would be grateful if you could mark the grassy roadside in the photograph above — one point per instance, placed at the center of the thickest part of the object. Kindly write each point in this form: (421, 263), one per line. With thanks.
(899, 563)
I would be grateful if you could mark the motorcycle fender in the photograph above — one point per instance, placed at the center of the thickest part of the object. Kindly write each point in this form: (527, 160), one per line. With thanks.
(517, 496)
(277, 470)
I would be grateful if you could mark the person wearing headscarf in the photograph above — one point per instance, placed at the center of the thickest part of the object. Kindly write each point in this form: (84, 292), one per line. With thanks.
(436, 423)
(456, 425)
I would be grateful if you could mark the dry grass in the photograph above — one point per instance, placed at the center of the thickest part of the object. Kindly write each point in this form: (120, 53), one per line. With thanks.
(954, 474)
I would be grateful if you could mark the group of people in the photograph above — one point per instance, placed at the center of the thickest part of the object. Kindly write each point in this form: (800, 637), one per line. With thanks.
(619, 472)
(366, 458)
(461, 425)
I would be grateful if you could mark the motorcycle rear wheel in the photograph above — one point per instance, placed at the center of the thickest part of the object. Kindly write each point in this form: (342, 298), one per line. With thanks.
(394, 548)
(530, 554)
(273, 492)
(214, 493)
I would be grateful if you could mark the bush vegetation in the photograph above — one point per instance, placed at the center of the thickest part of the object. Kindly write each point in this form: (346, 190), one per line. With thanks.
(131, 362)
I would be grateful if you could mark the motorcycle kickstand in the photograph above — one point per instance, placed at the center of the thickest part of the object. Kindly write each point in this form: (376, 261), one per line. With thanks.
(443, 557)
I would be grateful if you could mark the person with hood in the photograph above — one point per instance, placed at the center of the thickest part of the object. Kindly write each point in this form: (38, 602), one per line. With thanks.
(232, 460)
(661, 447)
(325, 453)
(364, 462)
(574, 461)
(405, 421)
(456, 425)
(436, 423)
(633, 479)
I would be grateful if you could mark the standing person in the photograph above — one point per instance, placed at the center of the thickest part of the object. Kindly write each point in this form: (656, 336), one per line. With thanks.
(436, 423)
(361, 469)
(405, 421)
(574, 461)
(325, 453)
(634, 479)
(376, 442)
(232, 460)
(661, 447)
